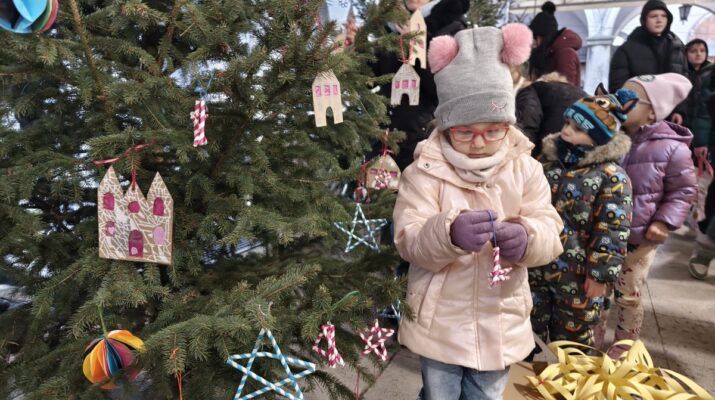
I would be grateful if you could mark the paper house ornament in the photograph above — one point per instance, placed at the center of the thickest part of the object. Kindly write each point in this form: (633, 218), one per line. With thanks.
(326, 94)
(383, 173)
(418, 44)
(131, 227)
(406, 81)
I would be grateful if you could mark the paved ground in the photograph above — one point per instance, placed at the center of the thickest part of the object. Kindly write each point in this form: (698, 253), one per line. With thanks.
(679, 329)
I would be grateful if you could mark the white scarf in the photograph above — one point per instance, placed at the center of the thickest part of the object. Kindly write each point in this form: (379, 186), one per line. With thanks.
(473, 170)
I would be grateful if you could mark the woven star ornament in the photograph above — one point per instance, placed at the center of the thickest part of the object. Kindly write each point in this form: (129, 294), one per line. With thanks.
(361, 230)
(375, 338)
(327, 332)
(269, 386)
(105, 356)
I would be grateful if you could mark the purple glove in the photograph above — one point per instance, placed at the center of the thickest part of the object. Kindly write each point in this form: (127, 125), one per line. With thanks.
(511, 239)
(472, 229)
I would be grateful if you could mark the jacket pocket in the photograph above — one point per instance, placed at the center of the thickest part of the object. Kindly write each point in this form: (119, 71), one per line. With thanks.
(423, 299)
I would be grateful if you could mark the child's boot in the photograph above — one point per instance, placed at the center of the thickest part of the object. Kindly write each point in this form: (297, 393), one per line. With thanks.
(703, 257)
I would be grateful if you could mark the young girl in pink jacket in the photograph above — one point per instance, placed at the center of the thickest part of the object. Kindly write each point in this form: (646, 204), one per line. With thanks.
(473, 185)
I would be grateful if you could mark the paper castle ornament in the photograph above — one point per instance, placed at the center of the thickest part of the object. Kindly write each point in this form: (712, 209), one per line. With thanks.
(131, 227)
(418, 44)
(383, 173)
(326, 94)
(406, 81)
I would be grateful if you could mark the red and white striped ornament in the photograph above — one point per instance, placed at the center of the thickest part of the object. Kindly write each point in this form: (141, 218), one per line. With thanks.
(332, 354)
(198, 117)
(382, 179)
(498, 274)
(375, 338)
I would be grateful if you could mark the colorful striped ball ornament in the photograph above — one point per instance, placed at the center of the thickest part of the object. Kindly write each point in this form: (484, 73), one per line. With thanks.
(107, 355)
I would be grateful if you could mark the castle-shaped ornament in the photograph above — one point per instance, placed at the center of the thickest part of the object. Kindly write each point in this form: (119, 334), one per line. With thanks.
(406, 81)
(131, 227)
(326, 94)
(418, 45)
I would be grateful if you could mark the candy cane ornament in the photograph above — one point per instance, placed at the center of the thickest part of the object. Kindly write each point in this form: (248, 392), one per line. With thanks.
(198, 117)
(498, 274)
(332, 354)
(378, 346)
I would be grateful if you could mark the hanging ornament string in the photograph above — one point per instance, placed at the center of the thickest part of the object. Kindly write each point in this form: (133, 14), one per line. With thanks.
(498, 273)
(179, 374)
(101, 321)
(385, 149)
(404, 59)
(360, 192)
(128, 152)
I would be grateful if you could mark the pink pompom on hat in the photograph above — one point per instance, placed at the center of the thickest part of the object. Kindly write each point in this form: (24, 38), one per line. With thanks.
(665, 91)
(471, 71)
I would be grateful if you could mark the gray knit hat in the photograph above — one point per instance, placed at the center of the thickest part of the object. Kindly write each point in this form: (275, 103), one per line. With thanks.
(471, 71)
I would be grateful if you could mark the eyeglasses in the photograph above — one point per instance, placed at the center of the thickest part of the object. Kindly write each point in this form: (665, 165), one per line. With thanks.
(492, 133)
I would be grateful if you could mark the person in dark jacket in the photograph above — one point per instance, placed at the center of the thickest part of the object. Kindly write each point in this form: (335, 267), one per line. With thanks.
(555, 50)
(699, 73)
(443, 17)
(650, 49)
(540, 107)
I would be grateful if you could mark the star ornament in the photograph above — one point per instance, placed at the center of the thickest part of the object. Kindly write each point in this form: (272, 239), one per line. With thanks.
(368, 227)
(375, 339)
(277, 387)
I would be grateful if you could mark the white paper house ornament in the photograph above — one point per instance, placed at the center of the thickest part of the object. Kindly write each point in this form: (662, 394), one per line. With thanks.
(131, 227)
(406, 81)
(418, 44)
(326, 94)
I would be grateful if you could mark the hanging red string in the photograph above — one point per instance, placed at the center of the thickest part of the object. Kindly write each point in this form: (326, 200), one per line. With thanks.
(402, 50)
(179, 373)
(385, 150)
(127, 152)
(357, 386)
(360, 192)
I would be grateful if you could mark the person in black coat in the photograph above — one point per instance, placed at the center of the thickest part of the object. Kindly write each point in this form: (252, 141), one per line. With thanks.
(540, 107)
(445, 17)
(650, 49)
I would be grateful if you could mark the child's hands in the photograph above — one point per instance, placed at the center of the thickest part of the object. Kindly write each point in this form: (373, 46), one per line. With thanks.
(593, 288)
(511, 239)
(472, 229)
(657, 232)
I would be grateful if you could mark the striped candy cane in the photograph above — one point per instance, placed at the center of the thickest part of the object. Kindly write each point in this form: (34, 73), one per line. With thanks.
(334, 357)
(378, 347)
(198, 117)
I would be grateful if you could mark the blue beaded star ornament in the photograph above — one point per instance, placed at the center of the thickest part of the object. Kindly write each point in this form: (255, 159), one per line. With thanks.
(268, 386)
(369, 226)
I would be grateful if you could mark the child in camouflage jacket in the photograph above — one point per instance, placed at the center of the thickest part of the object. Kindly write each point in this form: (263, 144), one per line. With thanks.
(592, 193)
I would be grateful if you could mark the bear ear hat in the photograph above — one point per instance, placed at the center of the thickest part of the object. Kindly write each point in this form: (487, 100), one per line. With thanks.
(442, 50)
(517, 44)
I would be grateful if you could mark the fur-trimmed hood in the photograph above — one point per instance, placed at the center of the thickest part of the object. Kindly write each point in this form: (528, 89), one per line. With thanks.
(614, 150)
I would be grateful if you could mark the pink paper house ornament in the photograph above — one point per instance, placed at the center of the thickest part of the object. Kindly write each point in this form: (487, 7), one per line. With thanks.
(406, 81)
(134, 228)
(326, 94)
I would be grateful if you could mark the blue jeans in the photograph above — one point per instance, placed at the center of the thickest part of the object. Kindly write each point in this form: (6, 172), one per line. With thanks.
(453, 382)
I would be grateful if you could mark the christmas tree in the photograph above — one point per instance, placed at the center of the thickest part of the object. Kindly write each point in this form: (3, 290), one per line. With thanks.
(254, 242)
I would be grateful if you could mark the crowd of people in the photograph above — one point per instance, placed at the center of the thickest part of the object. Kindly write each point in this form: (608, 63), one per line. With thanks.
(507, 160)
